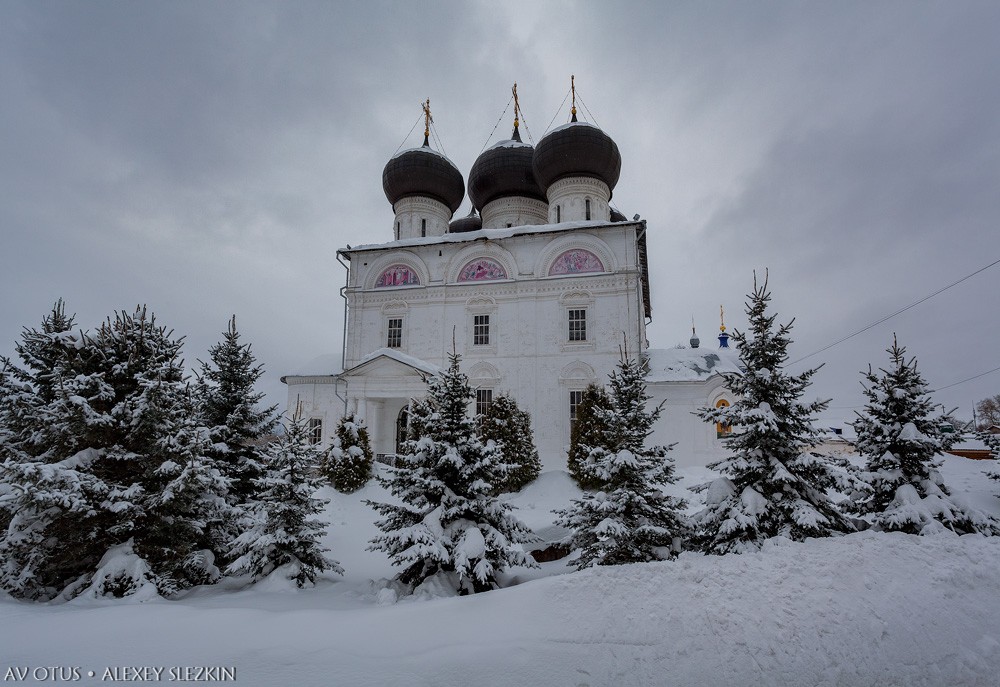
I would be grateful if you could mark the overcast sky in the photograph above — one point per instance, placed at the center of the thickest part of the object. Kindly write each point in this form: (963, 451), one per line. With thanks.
(209, 158)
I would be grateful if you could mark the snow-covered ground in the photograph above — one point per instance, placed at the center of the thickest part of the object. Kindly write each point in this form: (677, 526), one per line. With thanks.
(867, 609)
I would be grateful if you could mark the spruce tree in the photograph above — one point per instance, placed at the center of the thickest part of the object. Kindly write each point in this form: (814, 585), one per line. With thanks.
(283, 531)
(348, 463)
(509, 428)
(774, 485)
(98, 428)
(992, 442)
(231, 408)
(588, 430)
(450, 525)
(901, 438)
(628, 519)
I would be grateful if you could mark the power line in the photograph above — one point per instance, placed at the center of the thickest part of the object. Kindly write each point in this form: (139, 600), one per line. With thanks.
(981, 374)
(898, 312)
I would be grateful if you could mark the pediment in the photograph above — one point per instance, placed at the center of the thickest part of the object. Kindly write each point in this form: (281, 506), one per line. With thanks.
(387, 365)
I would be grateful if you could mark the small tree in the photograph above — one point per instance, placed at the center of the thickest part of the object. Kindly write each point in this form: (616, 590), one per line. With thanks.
(348, 463)
(450, 526)
(283, 530)
(629, 519)
(775, 486)
(988, 412)
(901, 438)
(992, 442)
(587, 431)
(509, 428)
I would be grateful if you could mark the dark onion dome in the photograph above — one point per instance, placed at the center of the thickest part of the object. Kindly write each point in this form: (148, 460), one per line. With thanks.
(577, 149)
(423, 172)
(617, 216)
(502, 171)
(471, 222)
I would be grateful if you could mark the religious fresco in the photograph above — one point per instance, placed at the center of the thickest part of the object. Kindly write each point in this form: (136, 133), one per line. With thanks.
(482, 269)
(397, 275)
(576, 261)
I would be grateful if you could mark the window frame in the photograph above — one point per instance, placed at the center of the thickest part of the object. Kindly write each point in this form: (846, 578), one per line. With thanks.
(484, 399)
(394, 332)
(576, 326)
(315, 430)
(481, 331)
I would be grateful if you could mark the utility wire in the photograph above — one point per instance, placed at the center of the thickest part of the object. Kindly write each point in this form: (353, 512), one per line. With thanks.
(408, 135)
(981, 374)
(898, 312)
(502, 114)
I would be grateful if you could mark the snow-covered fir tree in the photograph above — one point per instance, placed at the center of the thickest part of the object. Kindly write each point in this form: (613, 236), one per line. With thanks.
(102, 448)
(231, 408)
(774, 484)
(348, 463)
(628, 519)
(450, 525)
(992, 442)
(509, 428)
(901, 438)
(285, 534)
(589, 428)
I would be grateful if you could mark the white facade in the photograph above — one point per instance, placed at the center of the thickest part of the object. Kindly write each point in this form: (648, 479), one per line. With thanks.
(537, 311)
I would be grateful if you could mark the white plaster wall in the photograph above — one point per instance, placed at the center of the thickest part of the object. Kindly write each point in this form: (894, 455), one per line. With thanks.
(697, 443)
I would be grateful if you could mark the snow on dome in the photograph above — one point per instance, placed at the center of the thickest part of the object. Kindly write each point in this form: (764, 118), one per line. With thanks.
(577, 149)
(502, 171)
(690, 364)
(423, 172)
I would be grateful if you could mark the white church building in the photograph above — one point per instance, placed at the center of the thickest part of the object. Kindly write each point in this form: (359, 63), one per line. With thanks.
(538, 293)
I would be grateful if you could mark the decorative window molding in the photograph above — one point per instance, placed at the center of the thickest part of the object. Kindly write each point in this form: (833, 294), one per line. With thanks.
(477, 308)
(395, 270)
(576, 261)
(577, 327)
(482, 269)
(573, 255)
(399, 274)
(497, 264)
(484, 374)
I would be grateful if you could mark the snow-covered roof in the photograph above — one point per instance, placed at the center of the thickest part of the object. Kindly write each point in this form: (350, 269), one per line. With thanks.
(403, 358)
(500, 233)
(690, 364)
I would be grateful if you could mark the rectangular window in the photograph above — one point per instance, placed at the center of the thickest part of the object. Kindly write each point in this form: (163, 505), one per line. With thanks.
(423, 227)
(484, 398)
(315, 430)
(395, 329)
(575, 398)
(480, 330)
(578, 325)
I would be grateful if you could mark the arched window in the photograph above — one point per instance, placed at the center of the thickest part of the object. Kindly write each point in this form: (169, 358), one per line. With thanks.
(722, 430)
(402, 427)
(576, 261)
(397, 275)
(482, 269)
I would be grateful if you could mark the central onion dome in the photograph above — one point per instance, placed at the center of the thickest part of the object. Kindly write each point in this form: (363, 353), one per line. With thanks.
(577, 149)
(423, 172)
(504, 171)
(471, 222)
